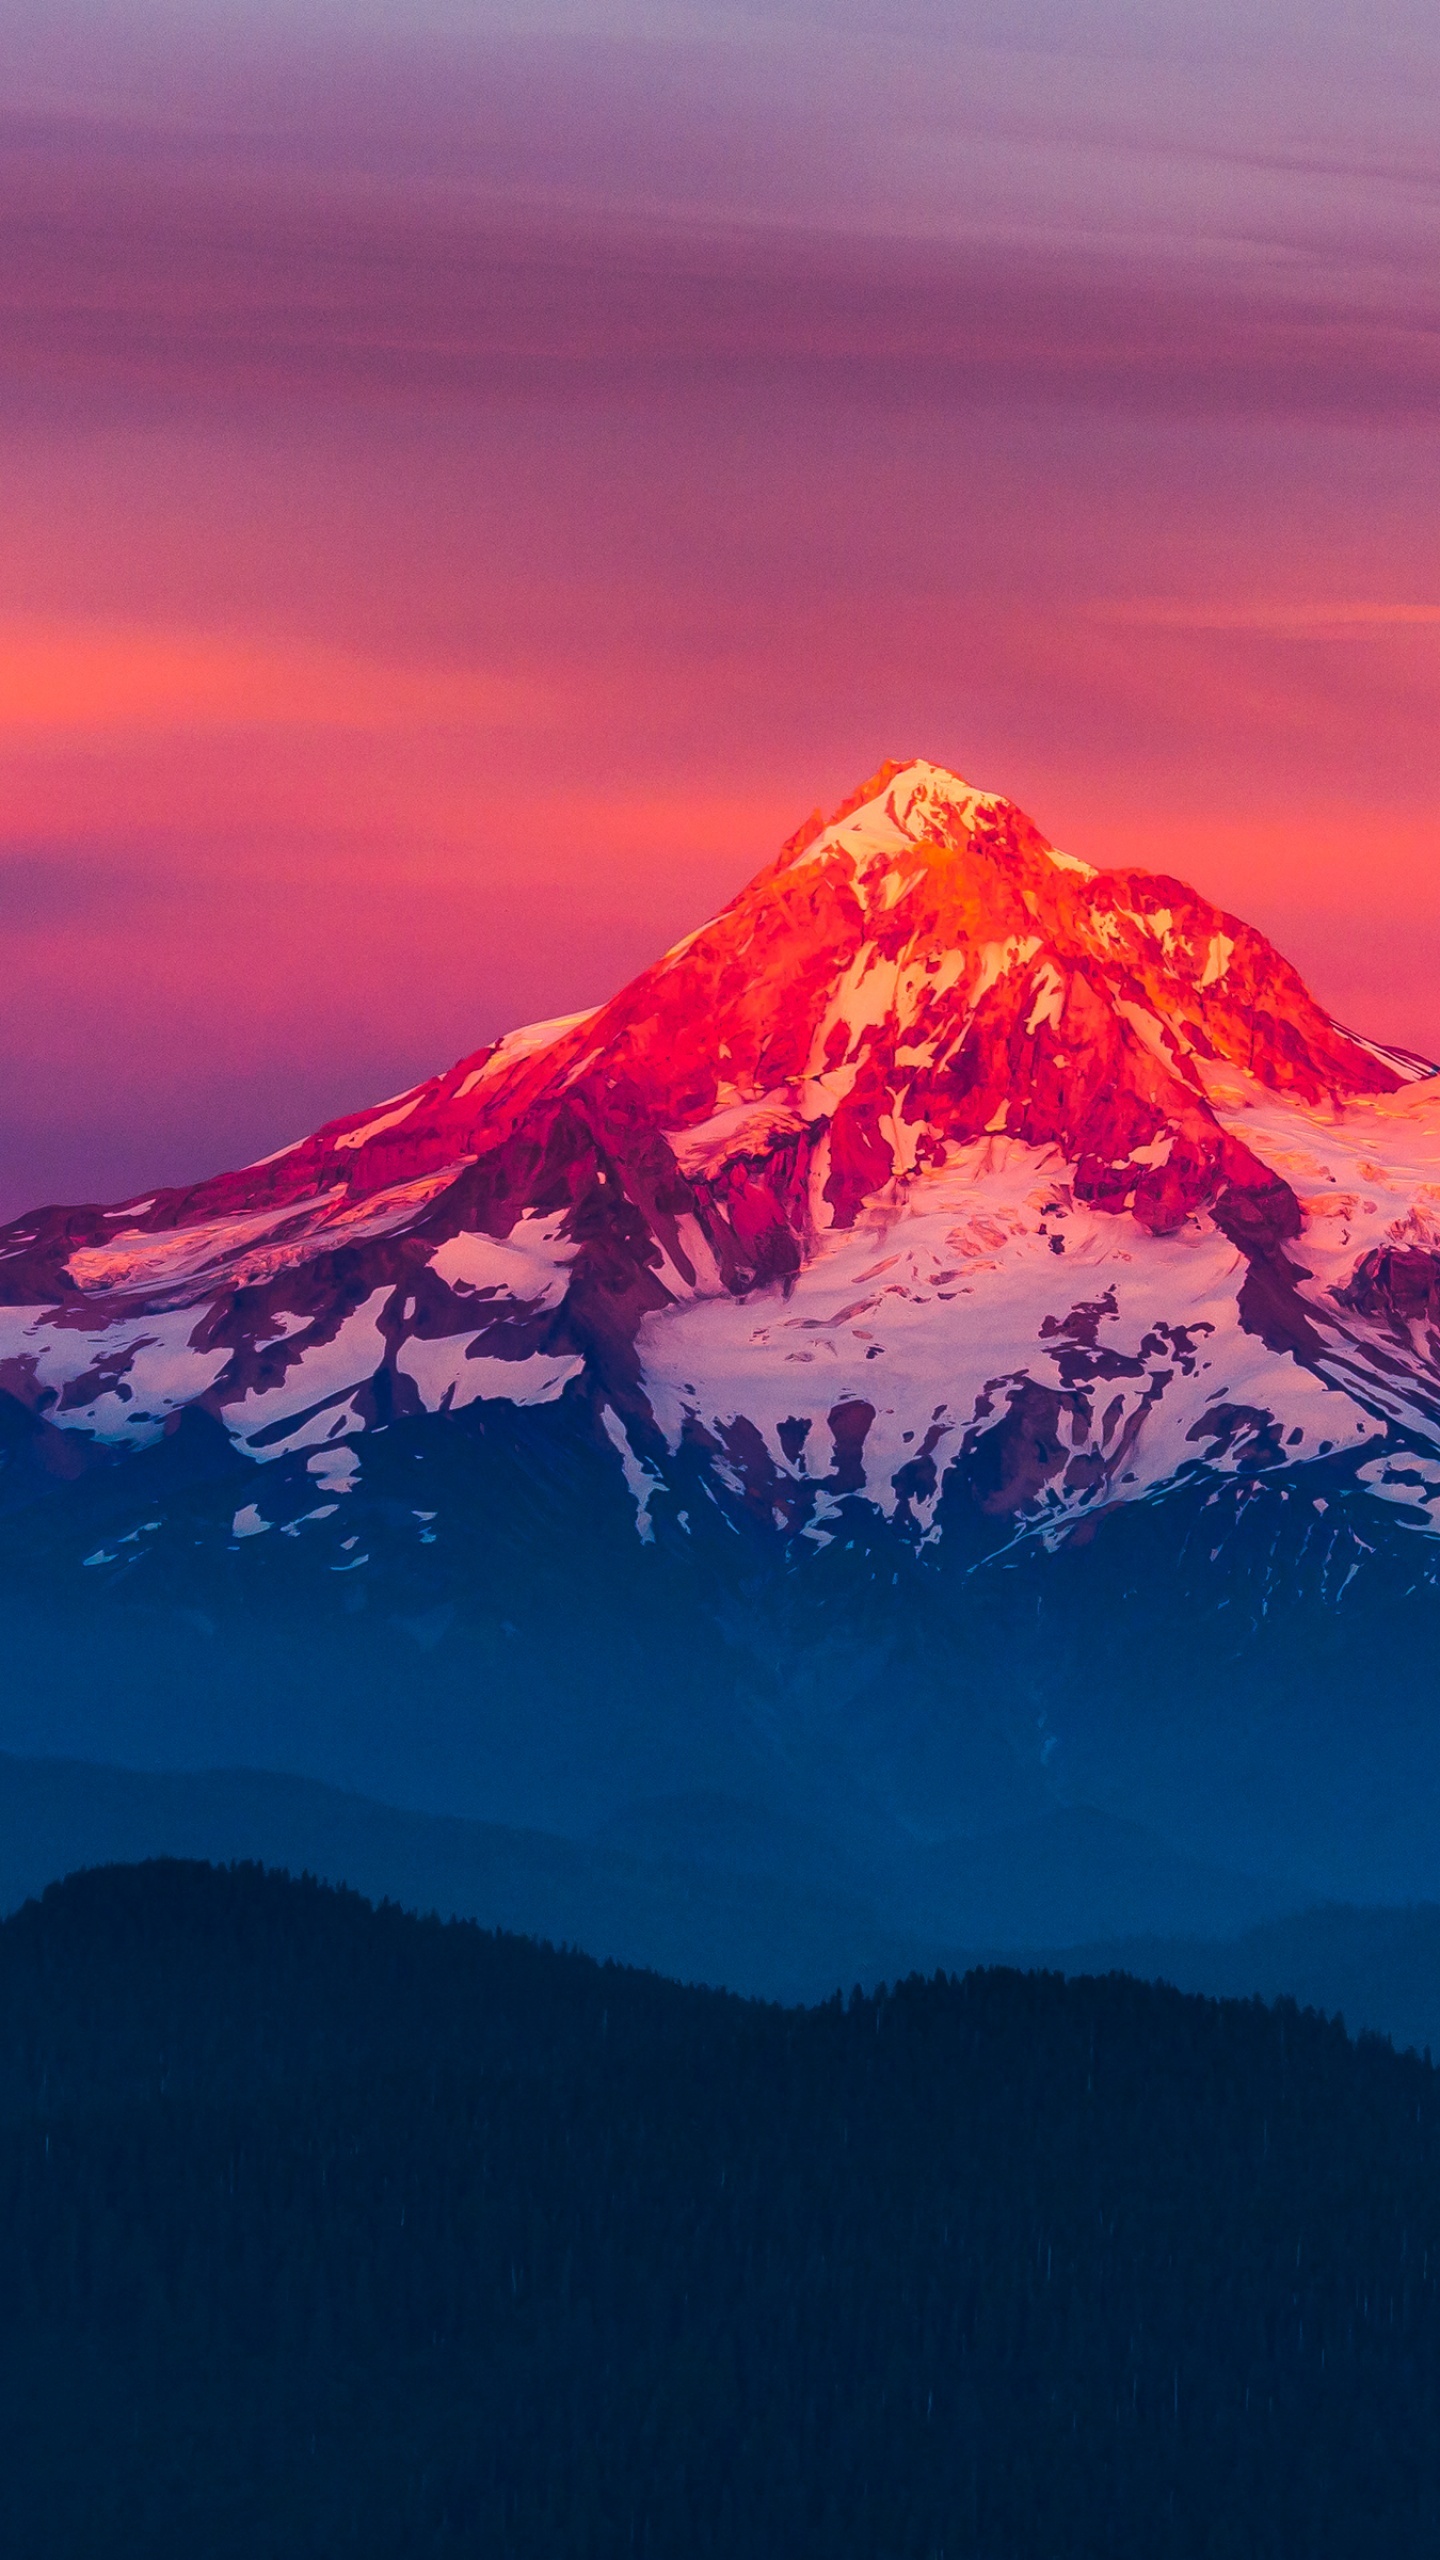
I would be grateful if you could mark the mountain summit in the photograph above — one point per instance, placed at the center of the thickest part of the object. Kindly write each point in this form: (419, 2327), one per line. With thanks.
(930, 1396)
(934, 1134)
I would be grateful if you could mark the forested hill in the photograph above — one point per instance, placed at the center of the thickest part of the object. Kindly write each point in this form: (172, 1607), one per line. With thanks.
(329, 2232)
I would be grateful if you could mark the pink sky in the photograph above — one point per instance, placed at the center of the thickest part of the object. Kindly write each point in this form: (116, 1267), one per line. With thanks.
(463, 500)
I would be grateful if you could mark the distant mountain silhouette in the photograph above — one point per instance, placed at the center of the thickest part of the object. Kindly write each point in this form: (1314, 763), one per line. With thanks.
(709, 1891)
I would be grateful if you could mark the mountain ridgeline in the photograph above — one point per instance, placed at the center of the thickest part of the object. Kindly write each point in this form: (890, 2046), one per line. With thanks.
(332, 2234)
(720, 1898)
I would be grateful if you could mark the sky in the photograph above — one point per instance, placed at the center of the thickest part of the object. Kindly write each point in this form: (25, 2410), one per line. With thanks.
(473, 479)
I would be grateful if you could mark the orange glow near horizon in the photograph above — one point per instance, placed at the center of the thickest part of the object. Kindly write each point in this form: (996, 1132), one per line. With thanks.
(114, 680)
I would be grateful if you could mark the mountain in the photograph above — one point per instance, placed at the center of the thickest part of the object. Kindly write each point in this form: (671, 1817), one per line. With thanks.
(713, 1892)
(705, 1890)
(922, 1063)
(956, 1340)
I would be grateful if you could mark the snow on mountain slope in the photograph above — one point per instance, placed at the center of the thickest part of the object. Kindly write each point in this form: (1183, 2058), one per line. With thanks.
(935, 1151)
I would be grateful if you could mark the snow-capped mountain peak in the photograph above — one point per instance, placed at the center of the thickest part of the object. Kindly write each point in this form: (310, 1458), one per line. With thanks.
(934, 1140)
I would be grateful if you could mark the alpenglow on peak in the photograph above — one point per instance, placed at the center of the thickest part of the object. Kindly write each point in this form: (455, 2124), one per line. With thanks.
(929, 1118)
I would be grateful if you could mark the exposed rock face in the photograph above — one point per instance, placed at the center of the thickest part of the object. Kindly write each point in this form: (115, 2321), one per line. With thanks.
(936, 1151)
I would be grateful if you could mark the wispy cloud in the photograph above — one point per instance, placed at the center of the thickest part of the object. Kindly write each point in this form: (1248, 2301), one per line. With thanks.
(120, 275)
(77, 675)
(1298, 621)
